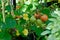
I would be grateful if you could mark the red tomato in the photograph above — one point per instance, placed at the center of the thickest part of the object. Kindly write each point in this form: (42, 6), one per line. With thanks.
(44, 18)
(37, 15)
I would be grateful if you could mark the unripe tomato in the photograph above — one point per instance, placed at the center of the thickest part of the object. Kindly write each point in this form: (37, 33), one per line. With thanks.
(37, 15)
(44, 18)
(39, 22)
(32, 19)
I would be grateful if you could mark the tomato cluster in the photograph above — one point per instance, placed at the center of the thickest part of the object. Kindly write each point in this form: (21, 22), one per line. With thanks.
(43, 17)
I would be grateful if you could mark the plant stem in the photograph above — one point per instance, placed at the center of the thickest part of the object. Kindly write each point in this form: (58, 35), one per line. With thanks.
(12, 11)
(3, 10)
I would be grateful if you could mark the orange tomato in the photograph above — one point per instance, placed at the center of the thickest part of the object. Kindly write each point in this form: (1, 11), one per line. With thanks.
(44, 18)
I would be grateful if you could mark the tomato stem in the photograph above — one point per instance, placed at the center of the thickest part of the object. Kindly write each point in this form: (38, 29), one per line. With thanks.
(3, 11)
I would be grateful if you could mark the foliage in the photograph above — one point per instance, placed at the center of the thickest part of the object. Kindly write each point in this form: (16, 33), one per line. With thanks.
(26, 22)
(54, 27)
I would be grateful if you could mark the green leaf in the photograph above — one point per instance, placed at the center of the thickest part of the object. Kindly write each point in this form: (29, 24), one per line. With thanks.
(29, 7)
(24, 8)
(33, 8)
(19, 28)
(38, 31)
(10, 23)
(4, 35)
(40, 7)
(47, 22)
(22, 21)
(8, 8)
(51, 37)
(33, 27)
(2, 26)
(27, 2)
(45, 32)
(46, 11)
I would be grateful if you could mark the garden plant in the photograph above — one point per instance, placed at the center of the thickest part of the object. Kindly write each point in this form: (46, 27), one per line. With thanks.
(29, 20)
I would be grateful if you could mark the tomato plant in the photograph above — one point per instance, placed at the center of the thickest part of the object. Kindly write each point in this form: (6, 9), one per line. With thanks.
(30, 20)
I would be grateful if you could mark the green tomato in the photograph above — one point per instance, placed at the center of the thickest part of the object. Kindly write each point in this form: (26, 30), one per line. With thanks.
(32, 19)
(39, 22)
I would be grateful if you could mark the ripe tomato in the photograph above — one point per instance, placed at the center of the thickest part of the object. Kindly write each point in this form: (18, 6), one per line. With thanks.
(37, 15)
(44, 18)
